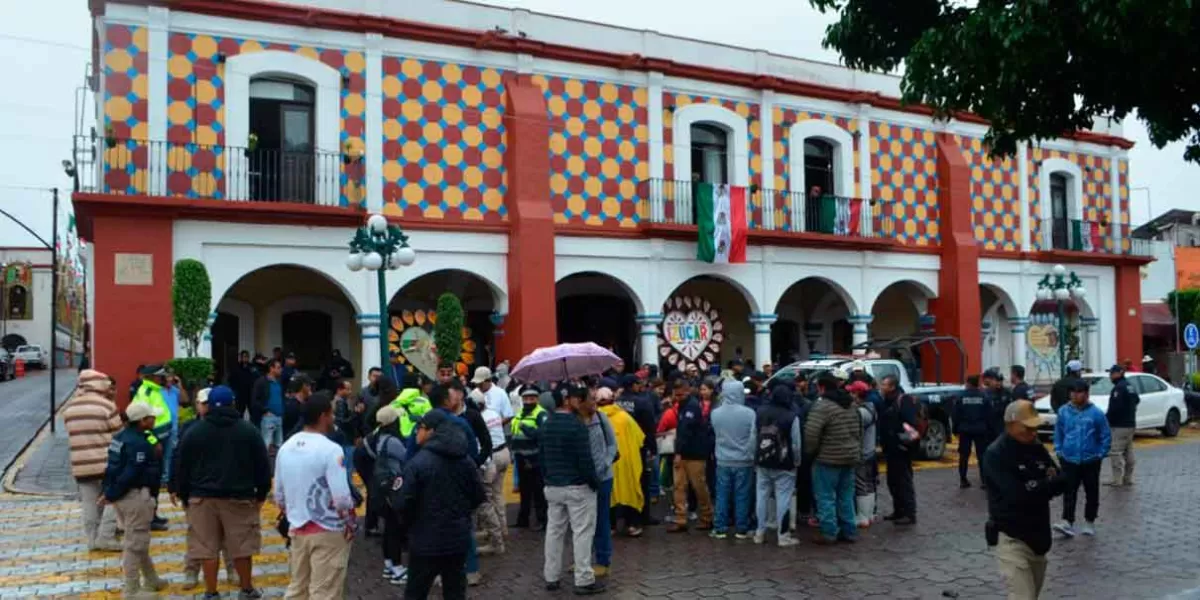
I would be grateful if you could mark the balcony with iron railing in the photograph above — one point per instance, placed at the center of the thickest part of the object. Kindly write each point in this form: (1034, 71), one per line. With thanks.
(128, 167)
(1081, 235)
(672, 203)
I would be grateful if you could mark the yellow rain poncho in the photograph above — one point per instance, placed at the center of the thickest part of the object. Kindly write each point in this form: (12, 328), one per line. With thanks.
(627, 471)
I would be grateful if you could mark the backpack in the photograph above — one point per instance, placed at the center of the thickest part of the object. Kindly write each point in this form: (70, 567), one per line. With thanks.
(774, 447)
(387, 479)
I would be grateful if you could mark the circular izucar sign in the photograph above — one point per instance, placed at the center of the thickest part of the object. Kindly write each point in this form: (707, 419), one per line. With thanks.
(691, 333)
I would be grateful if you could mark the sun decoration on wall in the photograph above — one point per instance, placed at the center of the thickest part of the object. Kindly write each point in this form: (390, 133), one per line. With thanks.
(691, 332)
(410, 343)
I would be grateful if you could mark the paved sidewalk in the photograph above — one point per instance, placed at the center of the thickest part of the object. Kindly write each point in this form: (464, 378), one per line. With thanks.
(25, 403)
(46, 466)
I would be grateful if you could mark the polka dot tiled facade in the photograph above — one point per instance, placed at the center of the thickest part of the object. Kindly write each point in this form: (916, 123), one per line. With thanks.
(1097, 192)
(782, 121)
(196, 109)
(443, 141)
(904, 178)
(672, 101)
(995, 197)
(125, 108)
(598, 151)
(1123, 185)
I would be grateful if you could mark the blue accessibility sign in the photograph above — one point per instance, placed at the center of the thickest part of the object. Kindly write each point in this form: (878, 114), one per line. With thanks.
(1191, 336)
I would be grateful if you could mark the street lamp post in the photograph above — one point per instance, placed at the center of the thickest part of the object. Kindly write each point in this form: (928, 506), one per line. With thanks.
(1061, 286)
(378, 246)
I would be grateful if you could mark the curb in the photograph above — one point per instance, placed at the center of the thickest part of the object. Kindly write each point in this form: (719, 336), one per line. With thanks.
(14, 468)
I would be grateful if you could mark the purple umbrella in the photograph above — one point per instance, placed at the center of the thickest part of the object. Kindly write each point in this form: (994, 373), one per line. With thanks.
(564, 361)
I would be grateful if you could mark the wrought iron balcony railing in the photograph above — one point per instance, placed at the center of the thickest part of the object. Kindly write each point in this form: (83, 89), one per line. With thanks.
(1081, 235)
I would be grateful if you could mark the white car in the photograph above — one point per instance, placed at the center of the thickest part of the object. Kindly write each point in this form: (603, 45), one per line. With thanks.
(33, 355)
(1161, 407)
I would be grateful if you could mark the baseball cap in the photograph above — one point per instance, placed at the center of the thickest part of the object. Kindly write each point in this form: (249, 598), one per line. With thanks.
(1147, 358)
(140, 410)
(202, 396)
(433, 419)
(530, 390)
(573, 390)
(1116, 369)
(220, 395)
(858, 387)
(153, 370)
(386, 416)
(1074, 366)
(629, 380)
(482, 374)
(1023, 412)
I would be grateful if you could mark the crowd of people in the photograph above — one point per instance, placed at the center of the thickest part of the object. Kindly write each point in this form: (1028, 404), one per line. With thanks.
(589, 457)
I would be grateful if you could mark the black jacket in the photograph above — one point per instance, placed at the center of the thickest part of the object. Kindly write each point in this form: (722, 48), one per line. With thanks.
(694, 437)
(241, 381)
(898, 408)
(293, 416)
(998, 400)
(441, 489)
(566, 452)
(132, 463)
(484, 438)
(348, 421)
(223, 456)
(1019, 490)
(1022, 391)
(641, 408)
(1122, 405)
(972, 413)
(260, 394)
(1060, 392)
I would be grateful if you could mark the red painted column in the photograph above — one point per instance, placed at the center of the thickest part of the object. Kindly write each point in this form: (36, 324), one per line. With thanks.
(133, 323)
(1129, 313)
(956, 308)
(531, 320)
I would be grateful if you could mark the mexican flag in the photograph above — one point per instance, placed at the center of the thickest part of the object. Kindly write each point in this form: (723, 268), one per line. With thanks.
(720, 223)
(840, 215)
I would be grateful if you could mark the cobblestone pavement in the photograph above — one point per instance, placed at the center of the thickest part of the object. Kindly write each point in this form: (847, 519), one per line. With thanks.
(1146, 548)
(26, 405)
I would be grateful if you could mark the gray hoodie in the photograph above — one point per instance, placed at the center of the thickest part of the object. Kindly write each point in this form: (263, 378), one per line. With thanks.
(604, 445)
(735, 427)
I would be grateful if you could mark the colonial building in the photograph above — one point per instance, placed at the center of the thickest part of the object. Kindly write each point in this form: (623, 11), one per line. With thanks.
(544, 168)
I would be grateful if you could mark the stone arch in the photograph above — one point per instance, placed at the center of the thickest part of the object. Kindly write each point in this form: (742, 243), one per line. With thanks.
(922, 290)
(246, 321)
(638, 304)
(1003, 300)
(222, 286)
(593, 306)
(891, 316)
(427, 265)
(814, 315)
(734, 125)
(484, 309)
(747, 295)
(843, 150)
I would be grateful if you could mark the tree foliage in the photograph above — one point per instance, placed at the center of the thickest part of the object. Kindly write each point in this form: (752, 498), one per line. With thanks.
(447, 331)
(191, 297)
(1034, 69)
(1188, 306)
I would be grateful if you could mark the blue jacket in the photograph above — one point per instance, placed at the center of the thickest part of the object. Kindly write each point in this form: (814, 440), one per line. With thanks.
(1081, 435)
(972, 413)
(131, 464)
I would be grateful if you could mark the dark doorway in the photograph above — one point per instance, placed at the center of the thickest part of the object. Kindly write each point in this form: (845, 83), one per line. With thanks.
(11, 341)
(309, 334)
(282, 164)
(1059, 225)
(605, 320)
(843, 336)
(710, 151)
(224, 345)
(785, 342)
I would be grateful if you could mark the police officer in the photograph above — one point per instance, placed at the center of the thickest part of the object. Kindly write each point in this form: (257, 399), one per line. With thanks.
(1020, 389)
(410, 405)
(997, 398)
(525, 428)
(154, 379)
(972, 422)
(1021, 480)
(133, 470)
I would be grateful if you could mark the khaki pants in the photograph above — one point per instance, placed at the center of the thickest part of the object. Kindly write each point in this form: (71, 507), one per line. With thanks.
(493, 520)
(1122, 455)
(318, 566)
(691, 472)
(1022, 569)
(575, 506)
(136, 510)
(99, 523)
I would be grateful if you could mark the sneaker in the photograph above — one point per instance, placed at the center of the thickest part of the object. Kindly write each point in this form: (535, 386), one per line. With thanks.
(909, 520)
(718, 535)
(159, 525)
(786, 540)
(1089, 528)
(634, 532)
(760, 537)
(474, 579)
(399, 576)
(963, 484)
(1065, 528)
(250, 594)
(191, 579)
(742, 535)
(589, 590)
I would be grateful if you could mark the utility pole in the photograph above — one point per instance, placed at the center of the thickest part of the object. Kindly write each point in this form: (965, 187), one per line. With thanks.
(53, 310)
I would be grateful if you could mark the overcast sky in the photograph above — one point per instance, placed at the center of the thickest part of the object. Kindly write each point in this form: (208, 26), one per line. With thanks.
(37, 104)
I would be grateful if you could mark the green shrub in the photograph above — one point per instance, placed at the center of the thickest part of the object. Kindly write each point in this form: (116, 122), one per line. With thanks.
(447, 331)
(191, 297)
(193, 372)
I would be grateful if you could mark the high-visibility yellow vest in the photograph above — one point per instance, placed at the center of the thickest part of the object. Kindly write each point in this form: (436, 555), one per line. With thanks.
(151, 394)
(526, 420)
(410, 405)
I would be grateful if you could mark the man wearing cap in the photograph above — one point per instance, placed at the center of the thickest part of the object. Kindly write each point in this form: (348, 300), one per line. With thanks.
(526, 427)
(997, 398)
(133, 469)
(224, 477)
(1122, 419)
(493, 395)
(1082, 439)
(91, 419)
(1021, 480)
(1060, 393)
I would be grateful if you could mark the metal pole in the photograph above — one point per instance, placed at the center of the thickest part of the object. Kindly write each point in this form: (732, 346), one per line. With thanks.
(53, 310)
(384, 355)
(1062, 338)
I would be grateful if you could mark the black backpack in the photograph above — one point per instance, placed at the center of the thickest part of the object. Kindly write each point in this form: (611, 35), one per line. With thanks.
(387, 480)
(774, 446)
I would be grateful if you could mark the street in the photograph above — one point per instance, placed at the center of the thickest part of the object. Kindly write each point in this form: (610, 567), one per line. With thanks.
(1145, 548)
(25, 403)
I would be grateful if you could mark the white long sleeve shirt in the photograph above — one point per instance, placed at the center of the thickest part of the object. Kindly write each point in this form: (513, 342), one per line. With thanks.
(310, 482)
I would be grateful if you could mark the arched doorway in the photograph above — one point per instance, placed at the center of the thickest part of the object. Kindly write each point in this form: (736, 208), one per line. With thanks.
(1000, 345)
(706, 323)
(814, 318)
(595, 307)
(897, 310)
(298, 309)
(413, 314)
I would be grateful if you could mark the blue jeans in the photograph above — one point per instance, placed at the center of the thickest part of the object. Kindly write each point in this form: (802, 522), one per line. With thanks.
(272, 430)
(168, 442)
(655, 482)
(602, 542)
(834, 489)
(472, 557)
(777, 483)
(733, 486)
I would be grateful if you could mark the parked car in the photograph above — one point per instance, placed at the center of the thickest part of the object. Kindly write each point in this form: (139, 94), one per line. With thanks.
(938, 397)
(1162, 405)
(33, 355)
